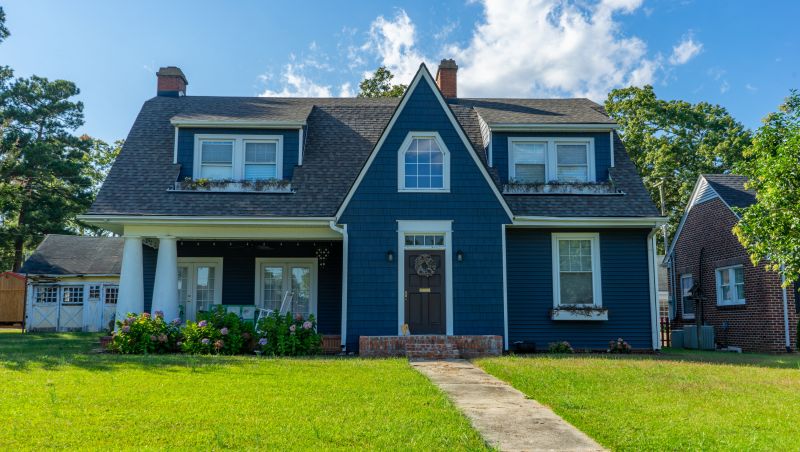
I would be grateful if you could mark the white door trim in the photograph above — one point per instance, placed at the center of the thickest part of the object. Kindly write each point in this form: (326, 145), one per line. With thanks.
(421, 227)
(192, 261)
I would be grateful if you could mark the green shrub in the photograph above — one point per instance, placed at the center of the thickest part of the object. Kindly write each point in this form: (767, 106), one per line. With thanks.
(289, 335)
(145, 334)
(560, 347)
(218, 332)
(619, 346)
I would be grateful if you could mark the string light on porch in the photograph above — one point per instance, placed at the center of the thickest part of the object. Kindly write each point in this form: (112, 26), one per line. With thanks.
(322, 255)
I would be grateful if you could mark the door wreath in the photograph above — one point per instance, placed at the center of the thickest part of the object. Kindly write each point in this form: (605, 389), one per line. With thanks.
(425, 266)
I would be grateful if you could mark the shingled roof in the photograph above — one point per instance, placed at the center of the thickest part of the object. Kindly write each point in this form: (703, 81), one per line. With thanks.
(730, 188)
(138, 182)
(75, 255)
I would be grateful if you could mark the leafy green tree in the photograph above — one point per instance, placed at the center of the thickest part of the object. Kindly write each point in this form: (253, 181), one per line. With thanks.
(3, 30)
(380, 85)
(673, 142)
(770, 228)
(45, 175)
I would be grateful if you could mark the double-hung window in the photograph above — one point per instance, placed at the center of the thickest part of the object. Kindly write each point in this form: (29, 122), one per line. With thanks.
(576, 270)
(238, 157)
(546, 160)
(423, 163)
(730, 285)
(687, 304)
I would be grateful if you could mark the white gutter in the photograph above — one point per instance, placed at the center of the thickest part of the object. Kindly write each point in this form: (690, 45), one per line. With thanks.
(652, 270)
(345, 252)
(206, 220)
(540, 127)
(222, 123)
(787, 335)
(588, 221)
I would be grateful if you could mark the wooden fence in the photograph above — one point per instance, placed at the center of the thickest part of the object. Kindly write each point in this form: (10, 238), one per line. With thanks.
(12, 299)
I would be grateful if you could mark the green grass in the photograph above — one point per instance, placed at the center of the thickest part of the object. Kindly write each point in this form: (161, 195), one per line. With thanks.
(678, 400)
(56, 393)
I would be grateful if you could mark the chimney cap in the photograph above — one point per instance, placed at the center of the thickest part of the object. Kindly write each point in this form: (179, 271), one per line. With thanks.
(172, 71)
(448, 63)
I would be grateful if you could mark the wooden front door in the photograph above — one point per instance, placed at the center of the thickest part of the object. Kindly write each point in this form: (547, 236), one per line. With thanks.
(424, 291)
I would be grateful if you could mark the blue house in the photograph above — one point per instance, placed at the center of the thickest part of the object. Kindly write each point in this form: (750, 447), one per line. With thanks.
(430, 215)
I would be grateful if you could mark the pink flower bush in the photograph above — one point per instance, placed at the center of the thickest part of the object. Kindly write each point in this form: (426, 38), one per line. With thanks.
(160, 314)
(298, 317)
(153, 338)
(218, 344)
(126, 328)
(223, 331)
(146, 315)
(306, 325)
(262, 342)
(202, 324)
(176, 321)
(293, 328)
(205, 341)
(162, 338)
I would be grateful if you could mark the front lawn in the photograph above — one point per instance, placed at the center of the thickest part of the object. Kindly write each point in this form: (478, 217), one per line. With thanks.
(680, 400)
(56, 393)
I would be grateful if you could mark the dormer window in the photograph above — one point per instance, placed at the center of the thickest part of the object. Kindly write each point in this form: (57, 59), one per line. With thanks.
(546, 160)
(423, 163)
(238, 157)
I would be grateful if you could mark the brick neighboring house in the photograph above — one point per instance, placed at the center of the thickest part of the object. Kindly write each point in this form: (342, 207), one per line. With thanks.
(745, 303)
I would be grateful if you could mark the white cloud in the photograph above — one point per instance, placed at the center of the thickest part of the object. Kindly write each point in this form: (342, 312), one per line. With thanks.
(687, 49)
(393, 41)
(551, 48)
(724, 87)
(751, 88)
(295, 84)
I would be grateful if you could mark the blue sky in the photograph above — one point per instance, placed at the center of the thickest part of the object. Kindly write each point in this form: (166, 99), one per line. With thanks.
(744, 56)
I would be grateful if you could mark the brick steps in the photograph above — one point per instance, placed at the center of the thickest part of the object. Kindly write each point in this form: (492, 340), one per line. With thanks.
(430, 346)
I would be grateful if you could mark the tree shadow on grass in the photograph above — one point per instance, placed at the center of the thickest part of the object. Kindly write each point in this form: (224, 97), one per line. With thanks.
(777, 361)
(55, 351)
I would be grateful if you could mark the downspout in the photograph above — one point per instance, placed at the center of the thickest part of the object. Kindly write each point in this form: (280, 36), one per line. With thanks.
(787, 336)
(345, 251)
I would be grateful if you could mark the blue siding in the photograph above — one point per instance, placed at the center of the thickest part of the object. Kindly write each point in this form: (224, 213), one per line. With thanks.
(625, 291)
(602, 150)
(291, 141)
(149, 257)
(372, 218)
(238, 273)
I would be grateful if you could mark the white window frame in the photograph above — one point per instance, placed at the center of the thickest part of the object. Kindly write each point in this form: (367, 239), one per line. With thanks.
(551, 157)
(731, 269)
(39, 287)
(287, 262)
(597, 292)
(683, 289)
(401, 163)
(238, 152)
(64, 289)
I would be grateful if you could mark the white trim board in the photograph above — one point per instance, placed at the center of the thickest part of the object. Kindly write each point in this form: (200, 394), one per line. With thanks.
(421, 227)
(423, 73)
(239, 124)
(588, 222)
(541, 127)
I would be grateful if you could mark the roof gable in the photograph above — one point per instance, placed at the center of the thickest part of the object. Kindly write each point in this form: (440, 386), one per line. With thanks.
(75, 255)
(423, 76)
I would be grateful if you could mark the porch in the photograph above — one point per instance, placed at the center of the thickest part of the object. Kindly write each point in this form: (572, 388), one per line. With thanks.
(184, 277)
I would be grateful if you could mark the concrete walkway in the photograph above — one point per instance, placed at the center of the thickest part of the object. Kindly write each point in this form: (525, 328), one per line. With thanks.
(504, 416)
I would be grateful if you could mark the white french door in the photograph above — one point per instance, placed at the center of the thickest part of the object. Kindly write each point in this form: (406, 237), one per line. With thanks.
(199, 285)
(291, 280)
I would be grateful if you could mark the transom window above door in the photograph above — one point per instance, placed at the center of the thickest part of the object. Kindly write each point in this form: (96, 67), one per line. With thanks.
(424, 240)
(238, 157)
(545, 160)
(423, 163)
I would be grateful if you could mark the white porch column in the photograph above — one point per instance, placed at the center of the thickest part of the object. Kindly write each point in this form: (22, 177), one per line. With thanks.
(165, 287)
(131, 280)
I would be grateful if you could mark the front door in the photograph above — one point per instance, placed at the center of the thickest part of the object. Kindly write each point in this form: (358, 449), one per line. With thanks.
(424, 291)
(199, 287)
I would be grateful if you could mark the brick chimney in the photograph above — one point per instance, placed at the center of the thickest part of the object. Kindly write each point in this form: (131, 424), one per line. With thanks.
(171, 82)
(446, 78)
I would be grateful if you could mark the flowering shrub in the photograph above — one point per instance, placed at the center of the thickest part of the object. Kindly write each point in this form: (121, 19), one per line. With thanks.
(619, 346)
(146, 333)
(218, 332)
(560, 347)
(289, 335)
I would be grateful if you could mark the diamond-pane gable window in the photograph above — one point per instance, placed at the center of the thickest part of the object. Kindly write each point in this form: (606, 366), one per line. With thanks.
(424, 164)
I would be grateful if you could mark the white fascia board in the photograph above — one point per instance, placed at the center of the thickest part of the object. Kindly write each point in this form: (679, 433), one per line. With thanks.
(423, 73)
(587, 222)
(100, 220)
(543, 127)
(221, 123)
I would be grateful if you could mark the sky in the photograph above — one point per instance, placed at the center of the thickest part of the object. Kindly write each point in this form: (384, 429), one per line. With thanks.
(742, 55)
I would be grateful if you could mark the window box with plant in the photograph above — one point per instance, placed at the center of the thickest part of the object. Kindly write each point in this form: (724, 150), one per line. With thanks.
(231, 185)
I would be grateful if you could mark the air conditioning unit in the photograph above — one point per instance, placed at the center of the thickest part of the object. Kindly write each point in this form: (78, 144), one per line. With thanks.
(707, 341)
